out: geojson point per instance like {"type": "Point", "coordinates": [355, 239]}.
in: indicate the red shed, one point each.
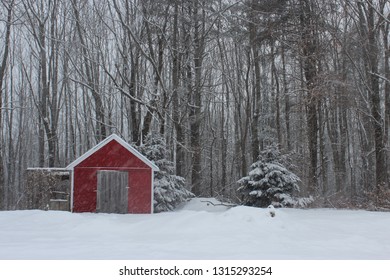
{"type": "Point", "coordinates": [112, 177]}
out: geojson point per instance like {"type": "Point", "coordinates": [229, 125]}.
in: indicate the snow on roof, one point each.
{"type": "Point", "coordinates": [48, 168]}
{"type": "Point", "coordinates": [60, 171]}
{"type": "Point", "coordinates": [105, 142]}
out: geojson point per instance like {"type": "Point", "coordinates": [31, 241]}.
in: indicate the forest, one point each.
{"type": "Point", "coordinates": [219, 80]}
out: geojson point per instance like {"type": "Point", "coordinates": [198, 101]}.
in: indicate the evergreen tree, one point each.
{"type": "Point", "coordinates": [269, 182]}
{"type": "Point", "coordinates": [169, 189]}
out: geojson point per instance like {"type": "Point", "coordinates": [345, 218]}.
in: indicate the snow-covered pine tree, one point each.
{"type": "Point", "coordinates": [169, 189]}
{"type": "Point", "coordinates": [269, 182]}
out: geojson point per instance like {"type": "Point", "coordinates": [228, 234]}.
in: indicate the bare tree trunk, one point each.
{"type": "Point", "coordinates": [256, 90]}
{"type": "Point", "coordinates": [386, 45]}
{"type": "Point", "coordinates": [276, 92]}
{"type": "Point", "coordinates": [176, 111]}
{"type": "Point", "coordinates": [225, 103]}
{"type": "Point", "coordinates": [286, 100]}
{"type": "Point", "coordinates": [370, 49]}
{"type": "Point", "coordinates": [3, 68]}
{"type": "Point", "coordinates": [196, 99]}
{"type": "Point", "coordinates": [310, 54]}
{"type": "Point", "coordinates": [338, 134]}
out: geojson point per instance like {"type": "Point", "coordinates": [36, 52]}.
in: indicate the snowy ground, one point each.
{"type": "Point", "coordinates": [197, 231]}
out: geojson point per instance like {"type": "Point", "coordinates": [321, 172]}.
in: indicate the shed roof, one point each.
{"type": "Point", "coordinates": [105, 142]}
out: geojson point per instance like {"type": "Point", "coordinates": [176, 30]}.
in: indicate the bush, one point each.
{"type": "Point", "coordinates": [378, 199]}
{"type": "Point", "coordinates": [169, 189]}
{"type": "Point", "coordinates": [270, 183]}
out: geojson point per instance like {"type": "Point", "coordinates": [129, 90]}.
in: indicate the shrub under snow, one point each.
{"type": "Point", "coordinates": [169, 189]}
{"type": "Point", "coordinates": [270, 183]}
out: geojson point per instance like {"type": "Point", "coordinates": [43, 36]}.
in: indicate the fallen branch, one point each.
{"type": "Point", "coordinates": [219, 204]}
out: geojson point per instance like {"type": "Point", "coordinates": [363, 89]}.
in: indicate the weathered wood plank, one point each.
{"type": "Point", "coordinates": [112, 191]}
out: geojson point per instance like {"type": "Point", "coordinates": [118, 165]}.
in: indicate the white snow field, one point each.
{"type": "Point", "coordinates": [197, 231]}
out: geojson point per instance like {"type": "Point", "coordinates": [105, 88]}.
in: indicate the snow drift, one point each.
{"type": "Point", "coordinates": [197, 230]}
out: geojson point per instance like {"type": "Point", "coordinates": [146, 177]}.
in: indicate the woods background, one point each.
{"type": "Point", "coordinates": [218, 79]}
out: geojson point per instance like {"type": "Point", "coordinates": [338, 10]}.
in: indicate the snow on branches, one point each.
{"type": "Point", "coordinates": [169, 189]}
{"type": "Point", "coordinates": [269, 182]}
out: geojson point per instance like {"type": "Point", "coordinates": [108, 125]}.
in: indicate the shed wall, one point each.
{"type": "Point", "coordinates": [112, 156]}
{"type": "Point", "coordinates": [139, 194]}
{"type": "Point", "coordinates": [140, 191]}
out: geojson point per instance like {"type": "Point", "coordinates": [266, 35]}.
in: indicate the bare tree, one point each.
{"type": "Point", "coordinates": [9, 8]}
{"type": "Point", "coordinates": [91, 70]}
{"type": "Point", "coordinates": [310, 62]}
{"type": "Point", "coordinates": [370, 34]}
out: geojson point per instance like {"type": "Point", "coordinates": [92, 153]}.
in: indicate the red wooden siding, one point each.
{"type": "Point", "coordinates": [140, 192]}
{"type": "Point", "coordinates": [84, 194]}
{"type": "Point", "coordinates": [112, 155]}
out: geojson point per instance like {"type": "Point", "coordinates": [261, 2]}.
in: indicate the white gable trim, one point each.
{"type": "Point", "coordinates": [115, 137]}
